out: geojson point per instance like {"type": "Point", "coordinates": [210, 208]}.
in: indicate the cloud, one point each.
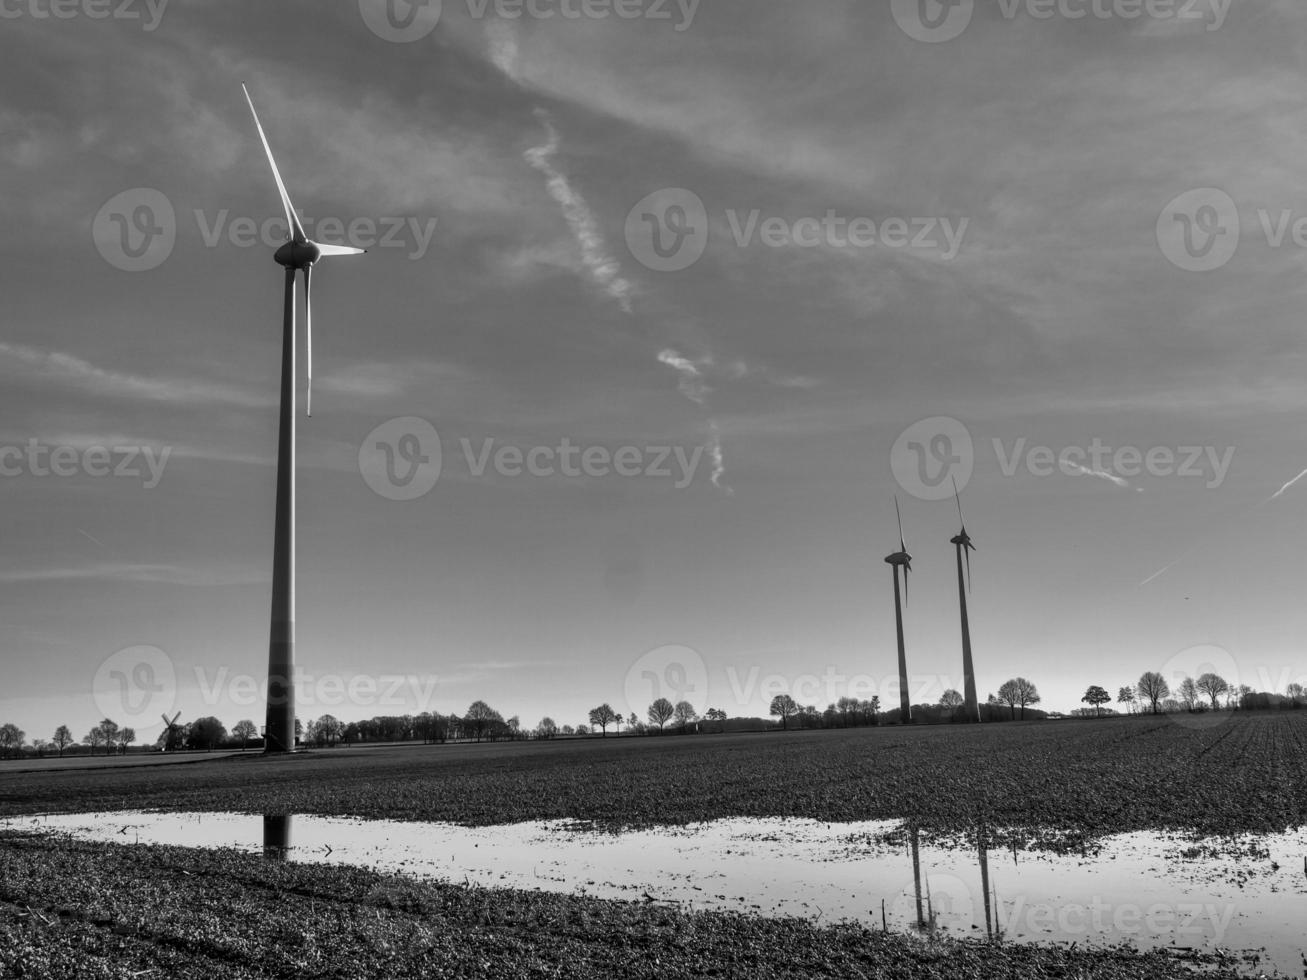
{"type": "Point", "coordinates": [605, 270]}
{"type": "Point", "coordinates": [694, 387]}
{"type": "Point", "coordinates": [503, 48]}
{"type": "Point", "coordinates": [1279, 493]}
{"type": "Point", "coordinates": [692, 382]}
{"type": "Point", "coordinates": [1101, 474]}
{"type": "Point", "coordinates": [718, 459]}
{"type": "Point", "coordinates": [74, 372]}
{"type": "Point", "coordinates": [140, 573]}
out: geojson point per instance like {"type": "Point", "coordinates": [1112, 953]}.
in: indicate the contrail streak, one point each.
{"type": "Point", "coordinates": [603, 268]}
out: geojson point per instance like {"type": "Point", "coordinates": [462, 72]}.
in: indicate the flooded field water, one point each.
{"type": "Point", "coordinates": [1246, 894]}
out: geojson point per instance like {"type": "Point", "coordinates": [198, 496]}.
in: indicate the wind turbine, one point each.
{"type": "Point", "coordinates": [299, 252]}
{"type": "Point", "coordinates": [962, 541]}
{"type": "Point", "coordinates": [901, 559]}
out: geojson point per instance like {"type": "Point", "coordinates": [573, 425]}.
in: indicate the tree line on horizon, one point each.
{"type": "Point", "coordinates": [1150, 694]}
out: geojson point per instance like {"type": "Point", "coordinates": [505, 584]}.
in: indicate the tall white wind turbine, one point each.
{"type": "Point", "coordinates": [298, 253]}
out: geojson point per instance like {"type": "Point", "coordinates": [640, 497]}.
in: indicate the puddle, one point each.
{"type": "Point", "coordinates": [1244, 894]}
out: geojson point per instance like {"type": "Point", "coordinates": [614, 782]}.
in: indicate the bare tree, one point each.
{"type": "Point", "coordinates": [62, 739]}
{"type": "Point", "coordinates": [1188, 693]}
{"type": "Point", "coordinates": [1296, 693]}
{"type": "Point", "coordinates": [480, 717]}
{"type": "Point", "coordinates": [126, 736]}
{"type": "Point", "coordinates": [684, 713]}
{"type": "Point", "coordinates": [11, 740]}
{"type": "Point", "coordinates": [108, 734]}
{"type": "Point", "coordinates": [784, 707]}
{"type": "Point", "coordinates": [603, 716]}
{"type": "Point", "coordinates": [1152, 687]}
{"type": "Point", "coordinates": [1018, 693]}
{"type": "Point", "coordinates": [1213, 685]}
{"type": "Point", "coordinates": [546, 728]}
{"type": "Point", "coordinates": [244, 730]}
{"type": "Point", "coordinates": [93, 738]}
{"type": "Point", "coordinates": [950, 700]}
{"type": "Point", "coordinates": [661, 712]}
{"type": "Point", "coordinates": [1126, 695]}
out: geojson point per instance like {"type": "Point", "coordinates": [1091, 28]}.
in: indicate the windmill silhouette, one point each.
{"type": "Point", "coordinates": [901, 559]}
{"type": "Point", "coordinates": [299, 253]}
{"type": "Point", "coordinates": [171, 732]}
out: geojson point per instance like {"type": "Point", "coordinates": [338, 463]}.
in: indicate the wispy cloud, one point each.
{"type": "Point", "coordinates": [605, 270]}
{"type": "Point", "coordinates": [74, 372]}
{"type": "Point", "coordinates": [694, 386]}
{"type": "Point", "coordinates": [133, 573]}
{"type": "Point", "coordinates": [1102, 475]}
{"type": "Point", "coordinates": [692, 381]}
{"type": "Point", "coordinates": [1280, 493]}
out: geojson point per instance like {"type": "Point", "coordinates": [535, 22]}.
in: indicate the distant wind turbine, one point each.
{"type": "Point", "coordinates": [962, 541]}
{"type": "Point", "coordinates": [901, 559]}
{"type": "Point", "coordinates": [296, 254]}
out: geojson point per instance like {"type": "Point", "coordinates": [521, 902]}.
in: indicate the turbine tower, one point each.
{"type": "Point", "coordinates": [298, 253]}
{"type": "Point", "coordinates": [901, 559]}
{"type": "Point", "coordinates": [962, 541]}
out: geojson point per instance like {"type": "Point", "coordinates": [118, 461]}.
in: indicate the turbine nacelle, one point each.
{"type": "Point", "coordinates": [298, 255]}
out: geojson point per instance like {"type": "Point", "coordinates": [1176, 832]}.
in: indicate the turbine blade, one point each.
{"type": "Point", "coordinates": [902, 546]}
{"type": "Point", "coordinates": [957, 496]}
{"type": "Point", "coordinates": [967, 551]}
{"type": "Point", "coordinates": [338, 249]}
{"type": "Point", "coordinates": [292, 219]}
{"type": "Point", "coordinates": [308, 333]}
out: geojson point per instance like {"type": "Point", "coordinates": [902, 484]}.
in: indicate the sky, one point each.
{"type": "Point", "coordinates": [665, 304]}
